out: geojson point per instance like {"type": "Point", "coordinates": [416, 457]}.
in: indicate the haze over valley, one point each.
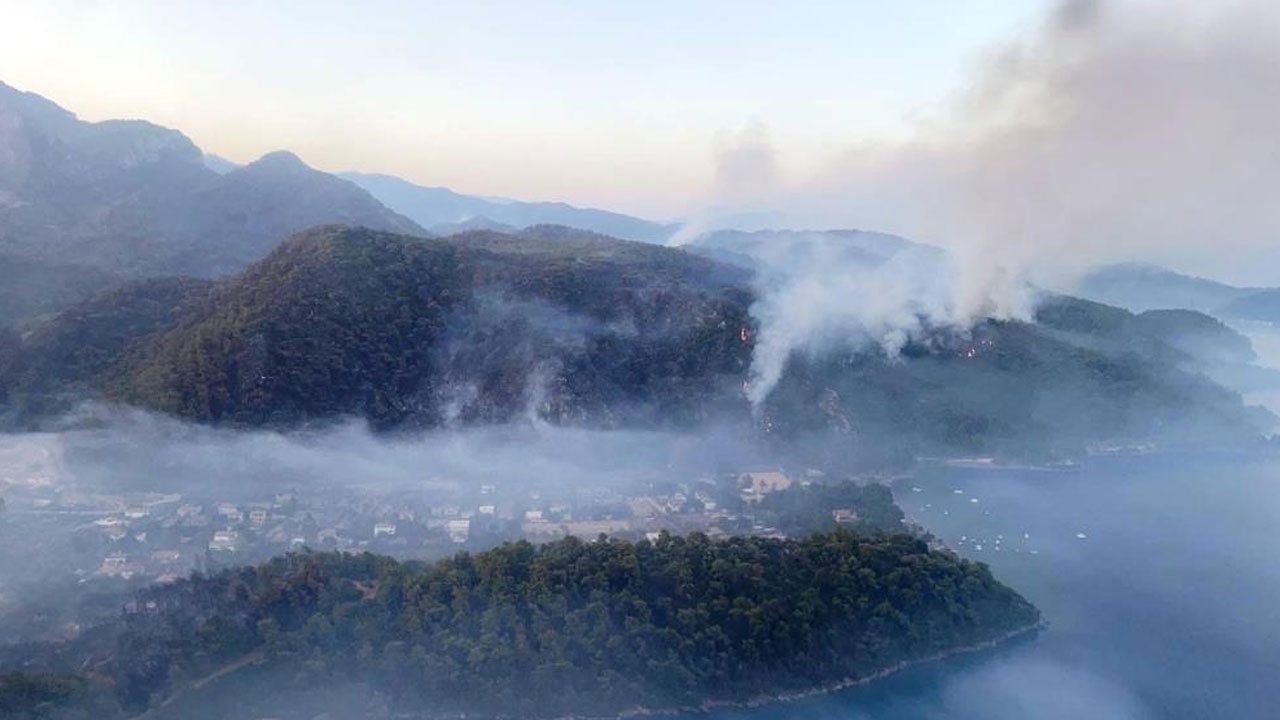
{"type": "Point", "coordinates": [967, 408]}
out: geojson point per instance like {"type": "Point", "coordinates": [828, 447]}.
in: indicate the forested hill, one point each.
{"type": "Point", "coordinates": [480, 328]}
{"type": "Point", "coordinates": [568, 628]}
{"type": "Point", "coordinates": [577, 328]}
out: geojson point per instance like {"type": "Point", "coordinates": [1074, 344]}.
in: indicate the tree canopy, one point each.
{"type": "Point", "coordinates": [570, 627]}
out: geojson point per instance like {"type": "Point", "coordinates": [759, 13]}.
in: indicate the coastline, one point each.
{"type": "Point", "coordinates": [708, 706]}
{"type": "Point", "coordinates": [827, 689]}
{"type": "Point", "coordinates": [762, 700]}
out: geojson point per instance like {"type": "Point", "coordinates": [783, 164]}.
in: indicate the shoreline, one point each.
{"type": "Point", "coordinates": [827, 689]}
{"type": "Point", "coordinates": [708, 706]}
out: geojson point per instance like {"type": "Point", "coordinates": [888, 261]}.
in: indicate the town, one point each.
{"type": "Point", "coordinates": [55, 529]}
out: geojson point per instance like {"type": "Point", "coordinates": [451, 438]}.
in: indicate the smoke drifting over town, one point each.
{"type": "Point", "coordinates": [119, 448]}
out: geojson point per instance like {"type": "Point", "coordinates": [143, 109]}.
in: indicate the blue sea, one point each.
{"type": "Point", "coordinates": [1159, 576]}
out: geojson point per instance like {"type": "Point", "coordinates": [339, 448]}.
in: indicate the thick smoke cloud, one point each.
{"type": "Point", "coordinates": [746, 165]}
{"type": "Point", "coordinates": [747, 179]}
{"type": "Point", "coordinates": [818, 296]}
{"type": "Point", "coordinates": [1115, 131]}
{"type": "Point", "coordinates": [1141, 130]}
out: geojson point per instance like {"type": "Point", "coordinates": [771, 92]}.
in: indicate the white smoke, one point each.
{"type": "Point", "coordinates": [815, 298]}
{"type": "Point", "coordinates": [1116, 131]}
{"type": "Point", "coordinates": [747, 179]}
{"type": "Point", "coordinates": [746, 165]}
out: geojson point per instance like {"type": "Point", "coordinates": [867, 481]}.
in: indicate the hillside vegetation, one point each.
{"type": "Point", "coordinates": [572, 327]}
{"type": "Point", "coordinates": [480, 328]}
{"type": "Point", "coordinates": [571, 627]}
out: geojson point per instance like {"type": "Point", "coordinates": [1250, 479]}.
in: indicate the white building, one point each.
{"type": "Point", "coordinates": [224, 540]}
{"type": "Point", "coordinates": [459, 530]}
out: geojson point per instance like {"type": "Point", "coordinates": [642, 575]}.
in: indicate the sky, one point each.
{"type": "Point", "coordinates": [1035, 138]}
{"type": "Point", "coordinates": [612, 104]}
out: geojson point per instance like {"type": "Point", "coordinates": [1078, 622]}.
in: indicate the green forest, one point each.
{"type": "Point", "coordinates": [579, 329]}
{"type": "Point", "coordinates": [571, 627]}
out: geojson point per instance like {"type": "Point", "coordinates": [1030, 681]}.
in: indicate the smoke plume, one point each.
{"type": "Point", "coordinates": [1117, 131]}
{"type": "Point", "coordinates": [1114, 131]}
{"type": "Point", "coordinates": [817, 297]}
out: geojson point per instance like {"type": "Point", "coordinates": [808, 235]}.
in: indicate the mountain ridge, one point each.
{"type": "Point", "coordinates": [134, 199]}
{"type": "Point", "coordinates": [568, 327]}
{"type": "Point", "coordinates": [441, 207]}
{"type": "Point", "coordinates": [1141, 286]}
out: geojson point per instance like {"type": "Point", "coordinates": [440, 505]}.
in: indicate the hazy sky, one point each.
{"type": "Point", "coordinates": [618, 104]}
{"type": "Point", "coordinates": [1034, 136]}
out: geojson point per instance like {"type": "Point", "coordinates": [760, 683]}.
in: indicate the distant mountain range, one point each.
{"type": "Point", "coordinates": [85, 206]}
{"type": "Point", "coordinates": [126, 198]}
{"type": "Point", "coordinates": [757, 249]}
{"type": "Point", "coordinates": [444, 212]}
{"type": "Point", "coordinates": [93, 204]}
{"type": "Point", "coordinates": [133, 198]}
{"type": "Point", "coordinates": [135, 268]}
{"type": "Point", "coordinates": [1140, 287]}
